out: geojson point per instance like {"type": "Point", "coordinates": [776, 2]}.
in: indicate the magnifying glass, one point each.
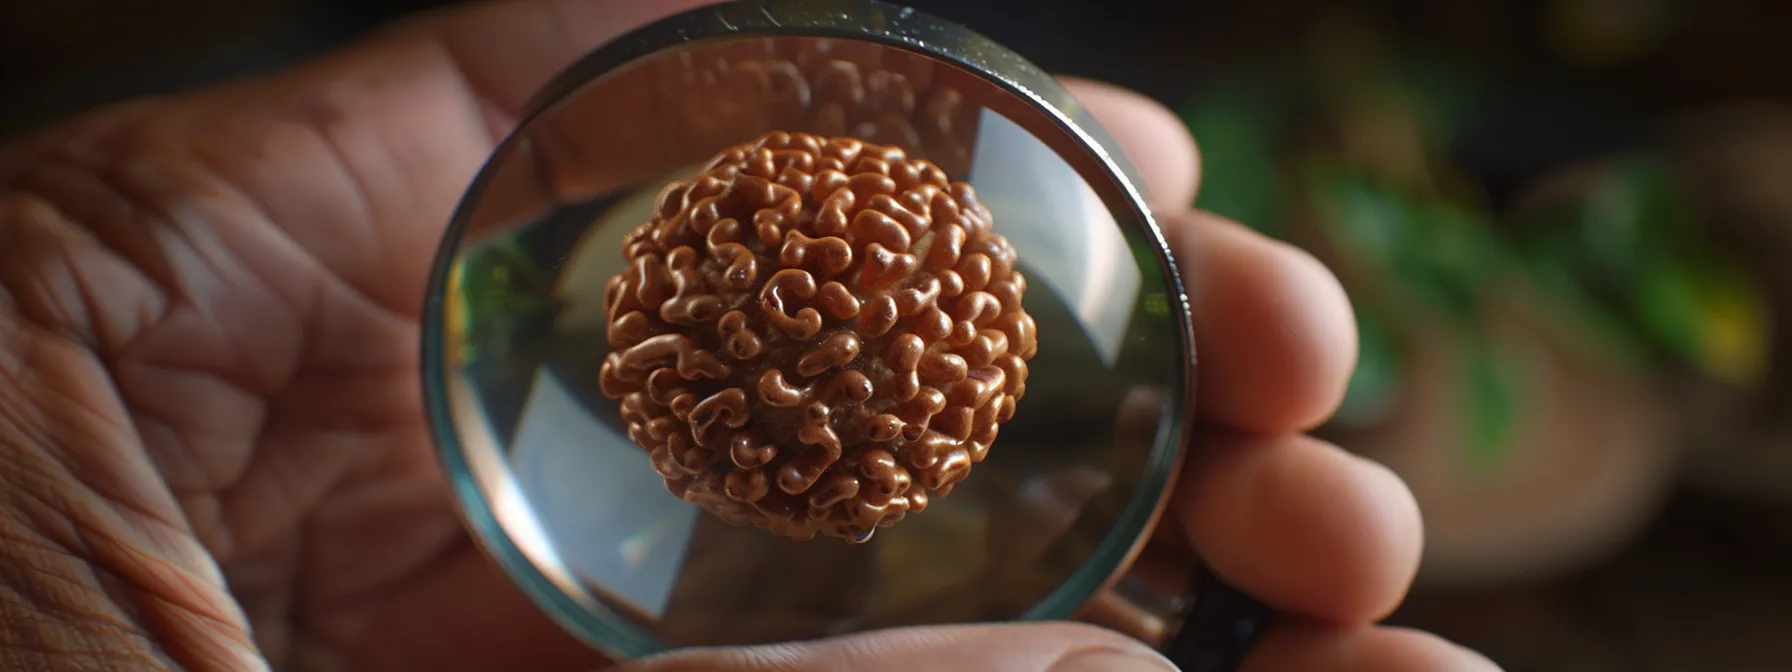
{"type": "Point", "coordinates": [677, 181]}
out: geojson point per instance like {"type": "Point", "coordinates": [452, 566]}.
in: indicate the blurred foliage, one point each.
{"type": "Point", "coordinates": [1350, 157]}
{"type": "Point", "coordinates": [1239, 123]}
{"type": "Point", "coordinates": [1630, 246]}
{"type": "Point", "coordinates": [496, 292]}
{"type": "Point", "coordinates": [1419, 256]}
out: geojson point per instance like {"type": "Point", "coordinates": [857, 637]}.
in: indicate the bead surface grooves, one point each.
{"type": "Point", "coordinates": [814, 335]}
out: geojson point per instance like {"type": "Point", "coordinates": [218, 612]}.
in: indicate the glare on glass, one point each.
{"type": "Point", "coordinates": [574, 510]}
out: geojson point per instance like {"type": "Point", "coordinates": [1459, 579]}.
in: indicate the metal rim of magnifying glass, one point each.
{"type": "Point", "coordinates": [1217, 626]}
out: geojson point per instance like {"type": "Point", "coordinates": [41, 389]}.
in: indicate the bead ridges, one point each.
{"type": "Point", "coordinates": [816, 335]}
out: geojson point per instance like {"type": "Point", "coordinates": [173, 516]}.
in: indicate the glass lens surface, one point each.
{"type": "Point", "coordinates": [575, 509]}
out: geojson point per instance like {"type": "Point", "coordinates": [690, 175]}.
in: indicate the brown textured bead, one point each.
{"type": "Point", "coordinates": [814, 335]}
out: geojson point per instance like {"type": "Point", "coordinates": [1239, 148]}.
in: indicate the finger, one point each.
{"type": "Point", "coordinates": [1274, 332]}
{"type": "Point", "coordinates": [1302, 525]}
{"type": "Point", "coordinates": [1274, 327]}
{"type": "Point", "coordinates": [1042, 647]}
{"type": "Point", "coordinates": [508, 50]}
{"type": "Point", "coordinates": [1153, 138]}
{"type": "Point", "coordinates": [1304, 647]}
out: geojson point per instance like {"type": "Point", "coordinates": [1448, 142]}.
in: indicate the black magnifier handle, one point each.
{"type": "Point", "coordinates": [1220, 628]}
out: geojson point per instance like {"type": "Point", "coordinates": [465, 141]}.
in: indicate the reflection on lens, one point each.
{"type": "Point", "coordinates": [1030, 532]}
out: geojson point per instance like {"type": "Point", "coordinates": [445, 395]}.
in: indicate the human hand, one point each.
{"type": "Point", "coordinates": [214, 446]}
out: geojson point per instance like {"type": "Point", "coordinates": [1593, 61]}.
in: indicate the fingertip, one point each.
{"type": "Point", "coordinates": [1154, 139]}
{"type": "Point", "coordinates": [1007, 646]}
{"type": "Point", "coordinates": [1400, 528]}
{"type": "Point", "coordinates": [1275, 334]}
{"type": "Point", "coordinates": [1303, 525]}
{"type": "Point", "coordinates": [1361, 649]}
{"type": "Point", "coordinates": [1327, 332]}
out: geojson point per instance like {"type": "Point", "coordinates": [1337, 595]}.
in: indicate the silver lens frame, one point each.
{"type": "Point", "coordinates": [1018, 90]}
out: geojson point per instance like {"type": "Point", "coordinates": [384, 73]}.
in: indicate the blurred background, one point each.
{"type": "Point", "coordinates": [1563, 223]}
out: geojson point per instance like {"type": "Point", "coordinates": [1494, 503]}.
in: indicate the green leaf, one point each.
{"type": "Point", "coordinates": [1492, 412]}
{"type": "Point", "coordinates": [1609, 226]}
{"type": "Point", "coordinates": [1374, 386]}
{"type": "Point", "coordinates": [1451, 96]}
{"type": "Point", "coordinates": [1610, 326]}
{"type": "Point", "coordinates": [1666, 302]}
{"type": "Point", "coordinates": [1371, 221]}
{"type": "Point", "coordinates": [1237, 125]}
{"type": "Point", "coordinates": [502, 291]}
{"type": "Point", "coordinates": [1733, 329]}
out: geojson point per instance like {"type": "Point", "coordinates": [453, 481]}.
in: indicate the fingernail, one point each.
{"type": "Point", "coordinates": [1113, 661]}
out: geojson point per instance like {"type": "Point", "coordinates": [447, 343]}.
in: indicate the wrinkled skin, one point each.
{"type": "Point", "coordinates": [210, 419]}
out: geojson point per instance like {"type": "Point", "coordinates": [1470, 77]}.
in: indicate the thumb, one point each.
{"type": "Point", "coordinates": [1032, 647]}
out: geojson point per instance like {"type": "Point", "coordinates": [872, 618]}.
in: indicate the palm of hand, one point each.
{"type": "Point", "coordinates": [221, 294]}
